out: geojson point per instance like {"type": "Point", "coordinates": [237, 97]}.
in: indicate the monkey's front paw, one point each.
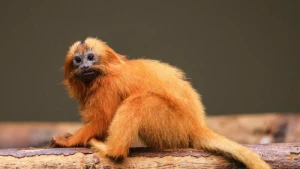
{"type": "Point", "coordinates": [59, 141]}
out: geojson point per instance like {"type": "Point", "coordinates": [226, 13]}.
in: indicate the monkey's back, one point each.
{"type": "Point", "coordinates": [157, 77]}
{"type": "Point", "coordinates": [160, 78]}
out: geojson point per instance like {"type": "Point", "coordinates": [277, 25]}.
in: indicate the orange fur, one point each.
{"type": "Point", "coordinates": [142, 98]}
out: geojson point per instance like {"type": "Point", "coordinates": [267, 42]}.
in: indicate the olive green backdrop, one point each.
{"type": "Point", "coordinates": [242, 56]}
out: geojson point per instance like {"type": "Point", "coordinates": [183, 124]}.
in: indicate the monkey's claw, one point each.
{"type": "Point", "coordinates": [59, 141]}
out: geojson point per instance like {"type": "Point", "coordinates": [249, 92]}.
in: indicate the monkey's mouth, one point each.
{"type": "Point", "coordinates": [88, 75]}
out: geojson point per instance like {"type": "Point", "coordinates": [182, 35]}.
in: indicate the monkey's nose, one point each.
{"type": "Point", "coordinates": [84, 67]}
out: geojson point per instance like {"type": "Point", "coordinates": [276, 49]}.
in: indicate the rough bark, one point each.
{"type": "Point", "coordinates": [279, 156]}
{"type": "Point", "coordinates": [246, 129]}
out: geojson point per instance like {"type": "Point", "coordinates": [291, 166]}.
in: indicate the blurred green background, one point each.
{"type": "Point", "coordinates": [242, 56]}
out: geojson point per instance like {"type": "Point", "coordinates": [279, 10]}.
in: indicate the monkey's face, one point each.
{"type": "Point", "coordinates": [89, 60]}
{"type": "Point", "coordinates": [84, 65]}
{"type": "Point", "coordinates": [84, 61]}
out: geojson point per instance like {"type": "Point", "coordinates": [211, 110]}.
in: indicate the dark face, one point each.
{"type": "Point", "coordinates": [84, 63]}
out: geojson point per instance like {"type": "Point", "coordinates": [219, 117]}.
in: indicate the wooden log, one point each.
{"type": "Point", "coordinates": [279, 156]}
{"type": "Point", "coordinates": [245, 129]}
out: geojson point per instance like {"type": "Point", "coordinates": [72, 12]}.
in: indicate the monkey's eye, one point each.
{"type": "Point", "coordinates": [90, 57]}
{"type": "Point", "coordinates": [77, 59]}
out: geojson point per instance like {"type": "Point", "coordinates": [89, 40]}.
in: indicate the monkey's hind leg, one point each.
{"type": "Point", "coordinates": [122, 131]}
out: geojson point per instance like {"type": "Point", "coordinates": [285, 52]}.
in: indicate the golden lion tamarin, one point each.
{"type": "Point", "coordinates": [121, 100]}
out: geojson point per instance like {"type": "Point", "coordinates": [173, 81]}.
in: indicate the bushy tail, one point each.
{"type": "Point", "coordinates": [211, 141]}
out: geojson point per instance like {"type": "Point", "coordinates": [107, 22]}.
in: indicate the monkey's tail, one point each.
{"type": "Point", "coordinates": [212, 141]}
